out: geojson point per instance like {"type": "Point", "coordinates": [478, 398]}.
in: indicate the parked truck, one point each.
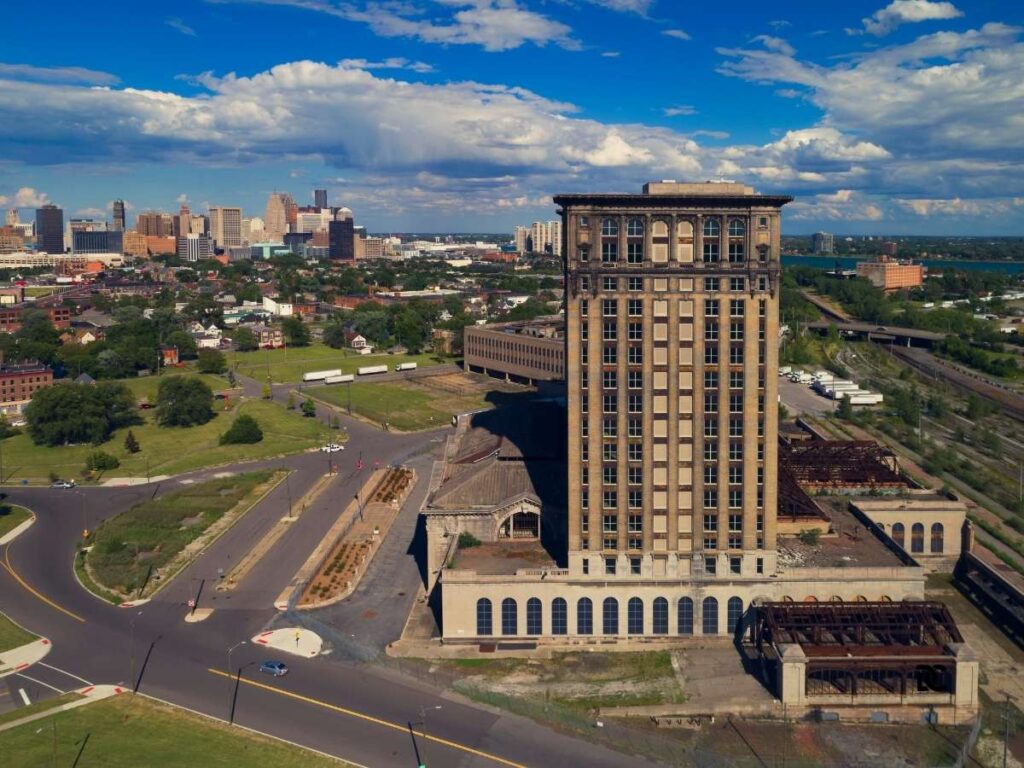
{"type": "Point", "coordinates": [320, 375]}
{"type": "Point", "coordinates": [368, 370]}
{"type": "Point", "coordinates": [405, 367]}
{"type": "Point", "coordinates": [339, 379]}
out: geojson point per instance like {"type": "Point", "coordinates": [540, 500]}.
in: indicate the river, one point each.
{"type": "Point", "coordinates": [937, 265]}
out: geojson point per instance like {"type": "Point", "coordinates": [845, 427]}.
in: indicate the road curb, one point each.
{"type": "Point", "coordinates": [24, 656]}
{"type": "Point", "coordinates": [19, 529]}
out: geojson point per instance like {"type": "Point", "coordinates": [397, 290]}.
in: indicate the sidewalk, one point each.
{"type": "Point", "coordinates": [293, 640]}
{"type": "Point", "coordinates": [88, 696]}
{"type": "Point", "coordinates": [24, 656]}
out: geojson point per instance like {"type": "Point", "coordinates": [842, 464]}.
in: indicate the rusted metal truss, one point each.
{"type": "Point", "coordinates": [841, 464]}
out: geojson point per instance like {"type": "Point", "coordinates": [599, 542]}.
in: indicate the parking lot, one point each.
{"type": "Point", "coordinates": [800, 398]}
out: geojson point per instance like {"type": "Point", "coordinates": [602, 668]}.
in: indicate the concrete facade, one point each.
{"type": "Point", "coordinates": [530, 351]}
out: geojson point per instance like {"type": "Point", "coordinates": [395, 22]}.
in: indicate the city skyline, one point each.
{"type": "Point", "coordinates": [894, 117]}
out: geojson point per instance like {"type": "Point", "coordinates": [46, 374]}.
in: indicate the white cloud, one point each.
{"type": "Point", "coordinates": [495, 25]}
{"type": "Point", "coordinates": [775, 44]}
{"type": "Point", "coordinates": [678, 34]}
{"type": "Point", "coordinates": [4, 199]}
{"type": "Point", "coordinates": [611, 54]}
{"type": "Point", "coordinates": [394, 62]}
{"type": "Point", "coordinates": [180, 26]}
{"type": "Point", "coordinates": [898, 12]}
{"type": "Point", "coordinates": [182, 199]}
{"type": "Point", "coordinates": [677, 111]}
{"type": "Point", "coordinates": [928, 207]}
{"type": "Point", "coordinates": [842, 205]}
{"type": "Point", "coordinates": [29, 197]}
{"type": "Point", "coordinates": [91, 213]}
{"type": "Point", "coordinates": [56, 74]}
{"type": "Point", "coordinates": [641, 7]}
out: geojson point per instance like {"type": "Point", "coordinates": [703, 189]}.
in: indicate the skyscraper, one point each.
{"type": "Point", "coordinates": [319, 198]}
{"type": "Point", "coordinates": [154, 224]}
{"type": "Point", "coordinates": [275, 222]}
{"type": "Point", "coordinates": [50, 229]}
{"type": "Point", "coordinates": [671, 359]}
{"type": "Point", "coordinates": [341, 240]}
{"type": "Point", "coordinates": [12, 217]}
{"type": "Point", "coordinates": [823, 243]}
{"type": "Point", "coordinates": [183, 221]}
{"type": "Point", "coordinates": [119, 215]}
{"type": "Point", "coordinates": [226, 226]}
{"type": "Point", "coordinates": [194, 247]}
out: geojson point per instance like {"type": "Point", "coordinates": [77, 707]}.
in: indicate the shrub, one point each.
{"type": "Point", "coordinates": [245, 429]}
{"type": "Point", "coordinates": [810, 537]}
{"type": "Point", "coordinates": [467, 540]}
{"type": "Point", "coordinates": [131, 444]}
{"type": "Point", "coordinates": [100, 460]}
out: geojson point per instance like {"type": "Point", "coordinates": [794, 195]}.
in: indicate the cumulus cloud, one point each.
{"type": "Point", "coordinates": [29, 197]}
{"type": "Point", "coordinates": [898, 12]}
{"type": "Point", "coordinates": [180, 26]}
{"type": "Point", "coordinates": [677, 111]}
{"type": "Point", "coordinates": [841, 205]}
{"type": "Point", "coordinates": [641, 7]}
{"type": "Point", "coordinates": [494, 25]}
{"type": "Point", "coordinates": [91, 213]}
{"type": "Point", "coordinates": [927, 207]}
{"type": "Point", "coordinates": [56, 74]}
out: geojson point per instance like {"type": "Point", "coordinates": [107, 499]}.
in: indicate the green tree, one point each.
{"type": "Point", "coordinates": [845, 410]}
{"type": "Point", "coordinates": [244, 339]}
{"type": "Point", "coordinates": [212, 361]}
{"type": "Point", "coordinates": [183, 401]}
{"type": "Point", "coordinates": [266, 392]}
{"type": "Point", "coordinates": [295, 331]}
{"type": "Point", "coordinates": [245, 429]}
{"type": "Point", "coordinates": [69, 413]}
{"type": "Point", "coordinates": [186, 344]}
{"type": "Point", "coordinates": [308, 408]}
{"type": "Point", "coordinates": [291, 401]}
{"type": "Point", "coordinates": [131, 444]}
{"type": "Point", "coordinates": [334, 336]}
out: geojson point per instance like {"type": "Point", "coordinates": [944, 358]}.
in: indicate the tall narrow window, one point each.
{"type": "Point", "coordinates": [533, 616]}
{"type": "Point", "coordinates": [710, 620]}
{"type": "Point", "coordinates": [734, 613]}
{"type": "Point", "coordinates": [685, 616]}
{"type": "Point", "coordinates": [659, 616]}
{"type": "Point", "coordinates": [483, 617]}
{"type": "Point", "coordinates": [635, 616]}
{"type": "Point", "coordinates": [559, 618]}
{"type": "Point", "coordinates": [610, 616]}
{"type": "Point", "coordinates": [509, 617]}
{"type": "Point", "coordinates": [584, 616]}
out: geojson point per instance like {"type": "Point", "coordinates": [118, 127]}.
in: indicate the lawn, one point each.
{"type": "Point", "coordinates": [36, 707]}
{"type": "Point", "coordinates": [13, 636]}
{"type": "Point", "coordinates": [287, 365]}
{"type": "Point", "coordinates": [128, 731]}
{"type": "Point", "coordinates": [145, 387]}
{"type": "Point", "coordinates": [407, 406]}
{"type": "Point", "coordinates": [162, 447]}
{"type": "Point", "coordinates": [150, 534]}
{"type": "Point", "coordinates": [11, 516]}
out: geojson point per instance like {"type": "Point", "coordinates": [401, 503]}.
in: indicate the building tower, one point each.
{"type": "Point", "coordinates": [226, 226]}
{"type": "Point", "coordinates": [823, 243]}
{"type": "Point", "coordinates": [320, 198]}
{"type": "Point", "coordinates": [275, 222]}
{"type": "Point", "coordinates": [671, 364]}
{"type": "Point", "coordinates": [119, 215]}
{"type": "Point", "coordinates": [50, 229]}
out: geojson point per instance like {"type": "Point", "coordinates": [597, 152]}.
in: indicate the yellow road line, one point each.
{"type": "Point", "coordinates": [10, 569]}
{"type": "Point", "coordinates": [371, 719]}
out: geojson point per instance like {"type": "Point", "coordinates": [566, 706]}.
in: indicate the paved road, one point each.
{"type": "Point", "coordinates": [328, 703]}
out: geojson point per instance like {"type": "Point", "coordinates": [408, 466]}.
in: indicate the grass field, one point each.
{"type": "Point", "coordinates": [162, 450]}
{"type": "Point", "coordinates": [12, 636]}
{"type": "Point", "coordinates": [11, 516]}
{"type": "Point", "coordinates": [406, 405]}
{"type": "Point", "coordinates": [287, 365]}
{"type": "Point", "coordinates": [146, 386]}
{"type": "Point", "coordinates": [128, 731]}
{"type": "Point", "coordinates": [35, 707]}
{"type": "Point", "coordinates": [152, 532]}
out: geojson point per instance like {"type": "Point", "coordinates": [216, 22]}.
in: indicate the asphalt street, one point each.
{"type": "Point", "coordinates": [331, 703]}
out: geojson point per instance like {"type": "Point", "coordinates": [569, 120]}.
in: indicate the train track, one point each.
{"type": "Point", "coordinates": [919, 359]}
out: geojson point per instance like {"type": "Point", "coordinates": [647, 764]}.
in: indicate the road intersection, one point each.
{"type": "Point", "coordinates": [332, 703]}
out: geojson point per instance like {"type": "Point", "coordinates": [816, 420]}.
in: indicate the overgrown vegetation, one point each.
{"type": "Point", "coordinates": [70, 413]}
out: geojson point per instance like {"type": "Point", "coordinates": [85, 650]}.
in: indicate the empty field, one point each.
{"type": "Point", "coordinates": [286, 366]}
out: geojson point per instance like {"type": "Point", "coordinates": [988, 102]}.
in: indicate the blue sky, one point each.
{"type": "Point", "coordinates": [880, 116]}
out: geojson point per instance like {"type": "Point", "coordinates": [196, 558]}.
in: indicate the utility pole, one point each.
{"type": "Point", "coordinates": [1006, 729]}
{"type": "Point", "coordinates": [231, 712]}
{"type": "Point", "coordinates": [131, 624]}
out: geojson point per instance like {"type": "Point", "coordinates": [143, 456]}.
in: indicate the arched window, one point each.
{"type": "Point", "coordinates": [733, 614]}
{"type": "Point", "coordinates": [509, 616]}
{"type": "Point", "coordinates": [899, 535]}
{"type": "Point", "coordinates": [559, 616]}
{"type": "Point", "coordinates": [483, 616]}
{"type": "Point", "coordinates": [609, 227]}
{"type": "Point", "coordinates": [917, 538]}
{"type": "Point", "coordinates": [635, 228]}
{"type": "Point", "coordinates": [712, 228]}
{"type": "Point", "coordinates": [710, 621]}
{"type": "Point", "coordinates": [610, 616]}
{"type": "Point", "coordinates": [684, 229]}
{"type": "Point", "coordinates": [635, 616]}
{"type": "Point", "coordinates": [584, 616]}
{"type": "Point", "coordinates": [533, 617]}
{"type": "Point", "coordinates": [660, 616]}
{"type": "Point", "coordinates": [937, 536]}
{"type": "Point", "coordinates": [737, 228]}
{"type": "Point", "coordinates": [684, 611]}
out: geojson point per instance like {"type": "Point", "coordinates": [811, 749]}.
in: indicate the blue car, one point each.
{"type": "Point", "coordinates": [275, 668]}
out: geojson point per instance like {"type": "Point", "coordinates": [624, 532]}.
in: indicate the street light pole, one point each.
{"type": "Point", "coordinates": [231, 711]}
{"type": "Point", "coordinates": [131, 624]}
{"type": "Point", "coordinates": [423, 729]}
